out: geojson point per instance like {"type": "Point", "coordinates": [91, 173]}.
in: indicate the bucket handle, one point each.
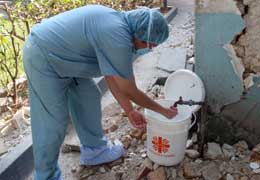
{"type": "Point", "coordinates": [194, 121]}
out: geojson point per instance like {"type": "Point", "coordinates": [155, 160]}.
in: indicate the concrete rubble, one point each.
{"type": "Point", "coordinates": [219, 161]}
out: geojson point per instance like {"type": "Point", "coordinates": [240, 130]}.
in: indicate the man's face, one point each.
{"type": "Point", "coordinates": [142, 44]}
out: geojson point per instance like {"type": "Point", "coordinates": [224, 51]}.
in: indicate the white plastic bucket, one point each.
{"type": "Point", "coordinates": [166, 138]}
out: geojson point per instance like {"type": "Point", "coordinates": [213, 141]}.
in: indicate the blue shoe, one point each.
{"type": "Point", "coordinates": [101, 155]}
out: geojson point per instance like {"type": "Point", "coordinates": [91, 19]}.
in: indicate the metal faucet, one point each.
{"type": "Point", "coordinates": [189, 103]}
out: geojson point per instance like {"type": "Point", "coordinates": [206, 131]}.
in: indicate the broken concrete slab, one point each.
{"type": "Point", "coordinates": [14, 162]}
{"type": "Point", "coordinates": [211, 172]}
{"type": "Point", "coordinates": [191, 153]}
{"type": "Point", "coordinates": [171, 14]}
{"type": "Point", "coordinates": [213, 151]}
{"type": "Point", "coordinates": [192, 170]}
{"type": "Point", "coordinates": [171, 60]}
{"type": "Point", "coordinates": [157, 174]}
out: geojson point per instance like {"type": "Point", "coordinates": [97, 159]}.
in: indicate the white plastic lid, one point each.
{"type": "Point", "coordinates": [187, 84]}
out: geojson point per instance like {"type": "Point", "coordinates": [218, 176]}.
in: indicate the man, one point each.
{"type": "Point", "coordinates": [61, 56]}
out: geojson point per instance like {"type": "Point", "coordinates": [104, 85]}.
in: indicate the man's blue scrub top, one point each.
{"type": "Point", "coordinates": [87, 42]}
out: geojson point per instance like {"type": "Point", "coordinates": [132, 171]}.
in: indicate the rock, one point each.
{"type": "Point", "coordinates": [156, 90]}
{"type": "Point", "coordinates": [116, 168]}
{"type": "Point", "coordinates": [155, 166]}
{"type": "Point", "coordinates": [255, 154]}
{"type": "Point", "coordinates": [134, 142]}
{"type": "Point", "coordinates": [157, 174]}
{"type": "Point", "coordinates": [191, 170]}
{"type": "Point", "coordinates": [144, 136]}
{"type": "Point", "coordinates": [3, 149]}
{"type": "Point", "coordinates": [3, 104]}
{"type": "Point", "coordinates": [21, 83]}
{"type": "Point", "coordinates": [115, 163]}
{"type": "Point", "coordinates": [177, 61]}
{"type": "Point", "coordinates": [136, 133]}
{"type": "Point", "coordinates": [223, 167]}
{"type": "Point", "coordinates": [106, 130]}
{"type": "Point", "coordinates": [194, 138]}
{"type": "Point", "coordinates": [126, 140]}
{"type": "Point", "coordinates": [191, 60]}
{"type": "Point", "coordinates": [119, 175]}
{"type": "Point", "coordinates": [228, 151]}
{"type": "Point", "coordinates": [102, 170]}
{"type": "Point", "coordinates": [66, 148]}
{"type": "Point", "coordinates": [241, 147]}
{"type": "Point", "coordinates": [189, 143]}
{"type": "Point", "coordinates": [113, 127]}
{"type": "Point", "coordinates": [3, 101]}
{"type": "Point", "coordinates": [254, 165]}
{"type": "Point", "coordinates": [257, 171]}
{"type": "Point", "coordinates": [142, 149]}
{"type": "Point", "coordinates": [26, 111]}
{"type": "Point", "coordinates": [213, 151]}
{"type": "Point", "coordinates": [255, 177]}
{"type": "Point", "coordinates": [198, 161]}
{"type": "Point", "coordinates": [229, 177]}
{"type": "Point", "coordinates": [147, 167]}
{"type": "Point", "coordinates": [257, 148]}
{"type": "Point", "coordinates": [246, 170]}
{"type": "Point", "coordinates": [243, 178]}
{"type": "Point", "coordinates": [3, 92]}
{"type": "Point", "coordinates": [86, 172]}
{"type": "Point", "coordinates": [106, 176]}
{"type": "Point", "coordinates": [143, 155]}
{"type": "Point", "coordinates": [192, 153]}
{"type": "Point", "coordinates": [19, 120]}
{"type": "Point", "coordinates": [148, 163]}
{"type": "Point", "coordinates": [211, 172]}
{"type": "Point", "coordinates": [74, 169]}
{"type": "Point", "coordinates": [6, 130]}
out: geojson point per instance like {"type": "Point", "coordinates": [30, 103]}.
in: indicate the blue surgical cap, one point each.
{"type": "Point", "coordinates": [148, 25]}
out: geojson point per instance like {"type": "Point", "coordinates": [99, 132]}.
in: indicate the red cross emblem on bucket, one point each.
{"type": "Point", "coordinates": [160, 144]}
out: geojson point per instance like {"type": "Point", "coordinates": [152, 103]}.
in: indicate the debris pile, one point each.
{"type": "Point", "coordinates": [219, 161]}
{"type": "Point", "coordinates": [14, 121]}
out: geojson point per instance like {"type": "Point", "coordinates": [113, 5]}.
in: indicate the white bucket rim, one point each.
{"type": "Point", "coordinates": [169, 121]}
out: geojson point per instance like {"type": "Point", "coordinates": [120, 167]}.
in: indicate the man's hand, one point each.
{"type": "Point", "coordinates": [137, 119]}
{"type": "Point", "coordinates": [169, 112]}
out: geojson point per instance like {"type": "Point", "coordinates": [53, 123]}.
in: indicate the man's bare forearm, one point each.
{"type": "Point", "coordinates": [140, 98]}
{"type": "Point", "coordinates": [121, 98]}
{"type": "Point", "coordinates": [126, 91]}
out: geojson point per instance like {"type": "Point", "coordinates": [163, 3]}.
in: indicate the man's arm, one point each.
{"type": "Point", "coordinates": [125, 91]}
{"type": "Point", "coordinates": [136, 118]}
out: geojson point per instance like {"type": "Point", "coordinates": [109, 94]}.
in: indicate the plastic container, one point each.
{"type": "Point", "coordinates": [166, 138]}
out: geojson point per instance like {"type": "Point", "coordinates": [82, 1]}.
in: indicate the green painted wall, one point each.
{"type": "Point", "coordinates": [234, 111]}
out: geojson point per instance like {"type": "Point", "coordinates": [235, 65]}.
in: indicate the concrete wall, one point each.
{"type": "Point", "coordinates": [228, 61]}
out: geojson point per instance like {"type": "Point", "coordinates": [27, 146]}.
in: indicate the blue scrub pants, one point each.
{"type": "Point", "coordinates": [53, 101]}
